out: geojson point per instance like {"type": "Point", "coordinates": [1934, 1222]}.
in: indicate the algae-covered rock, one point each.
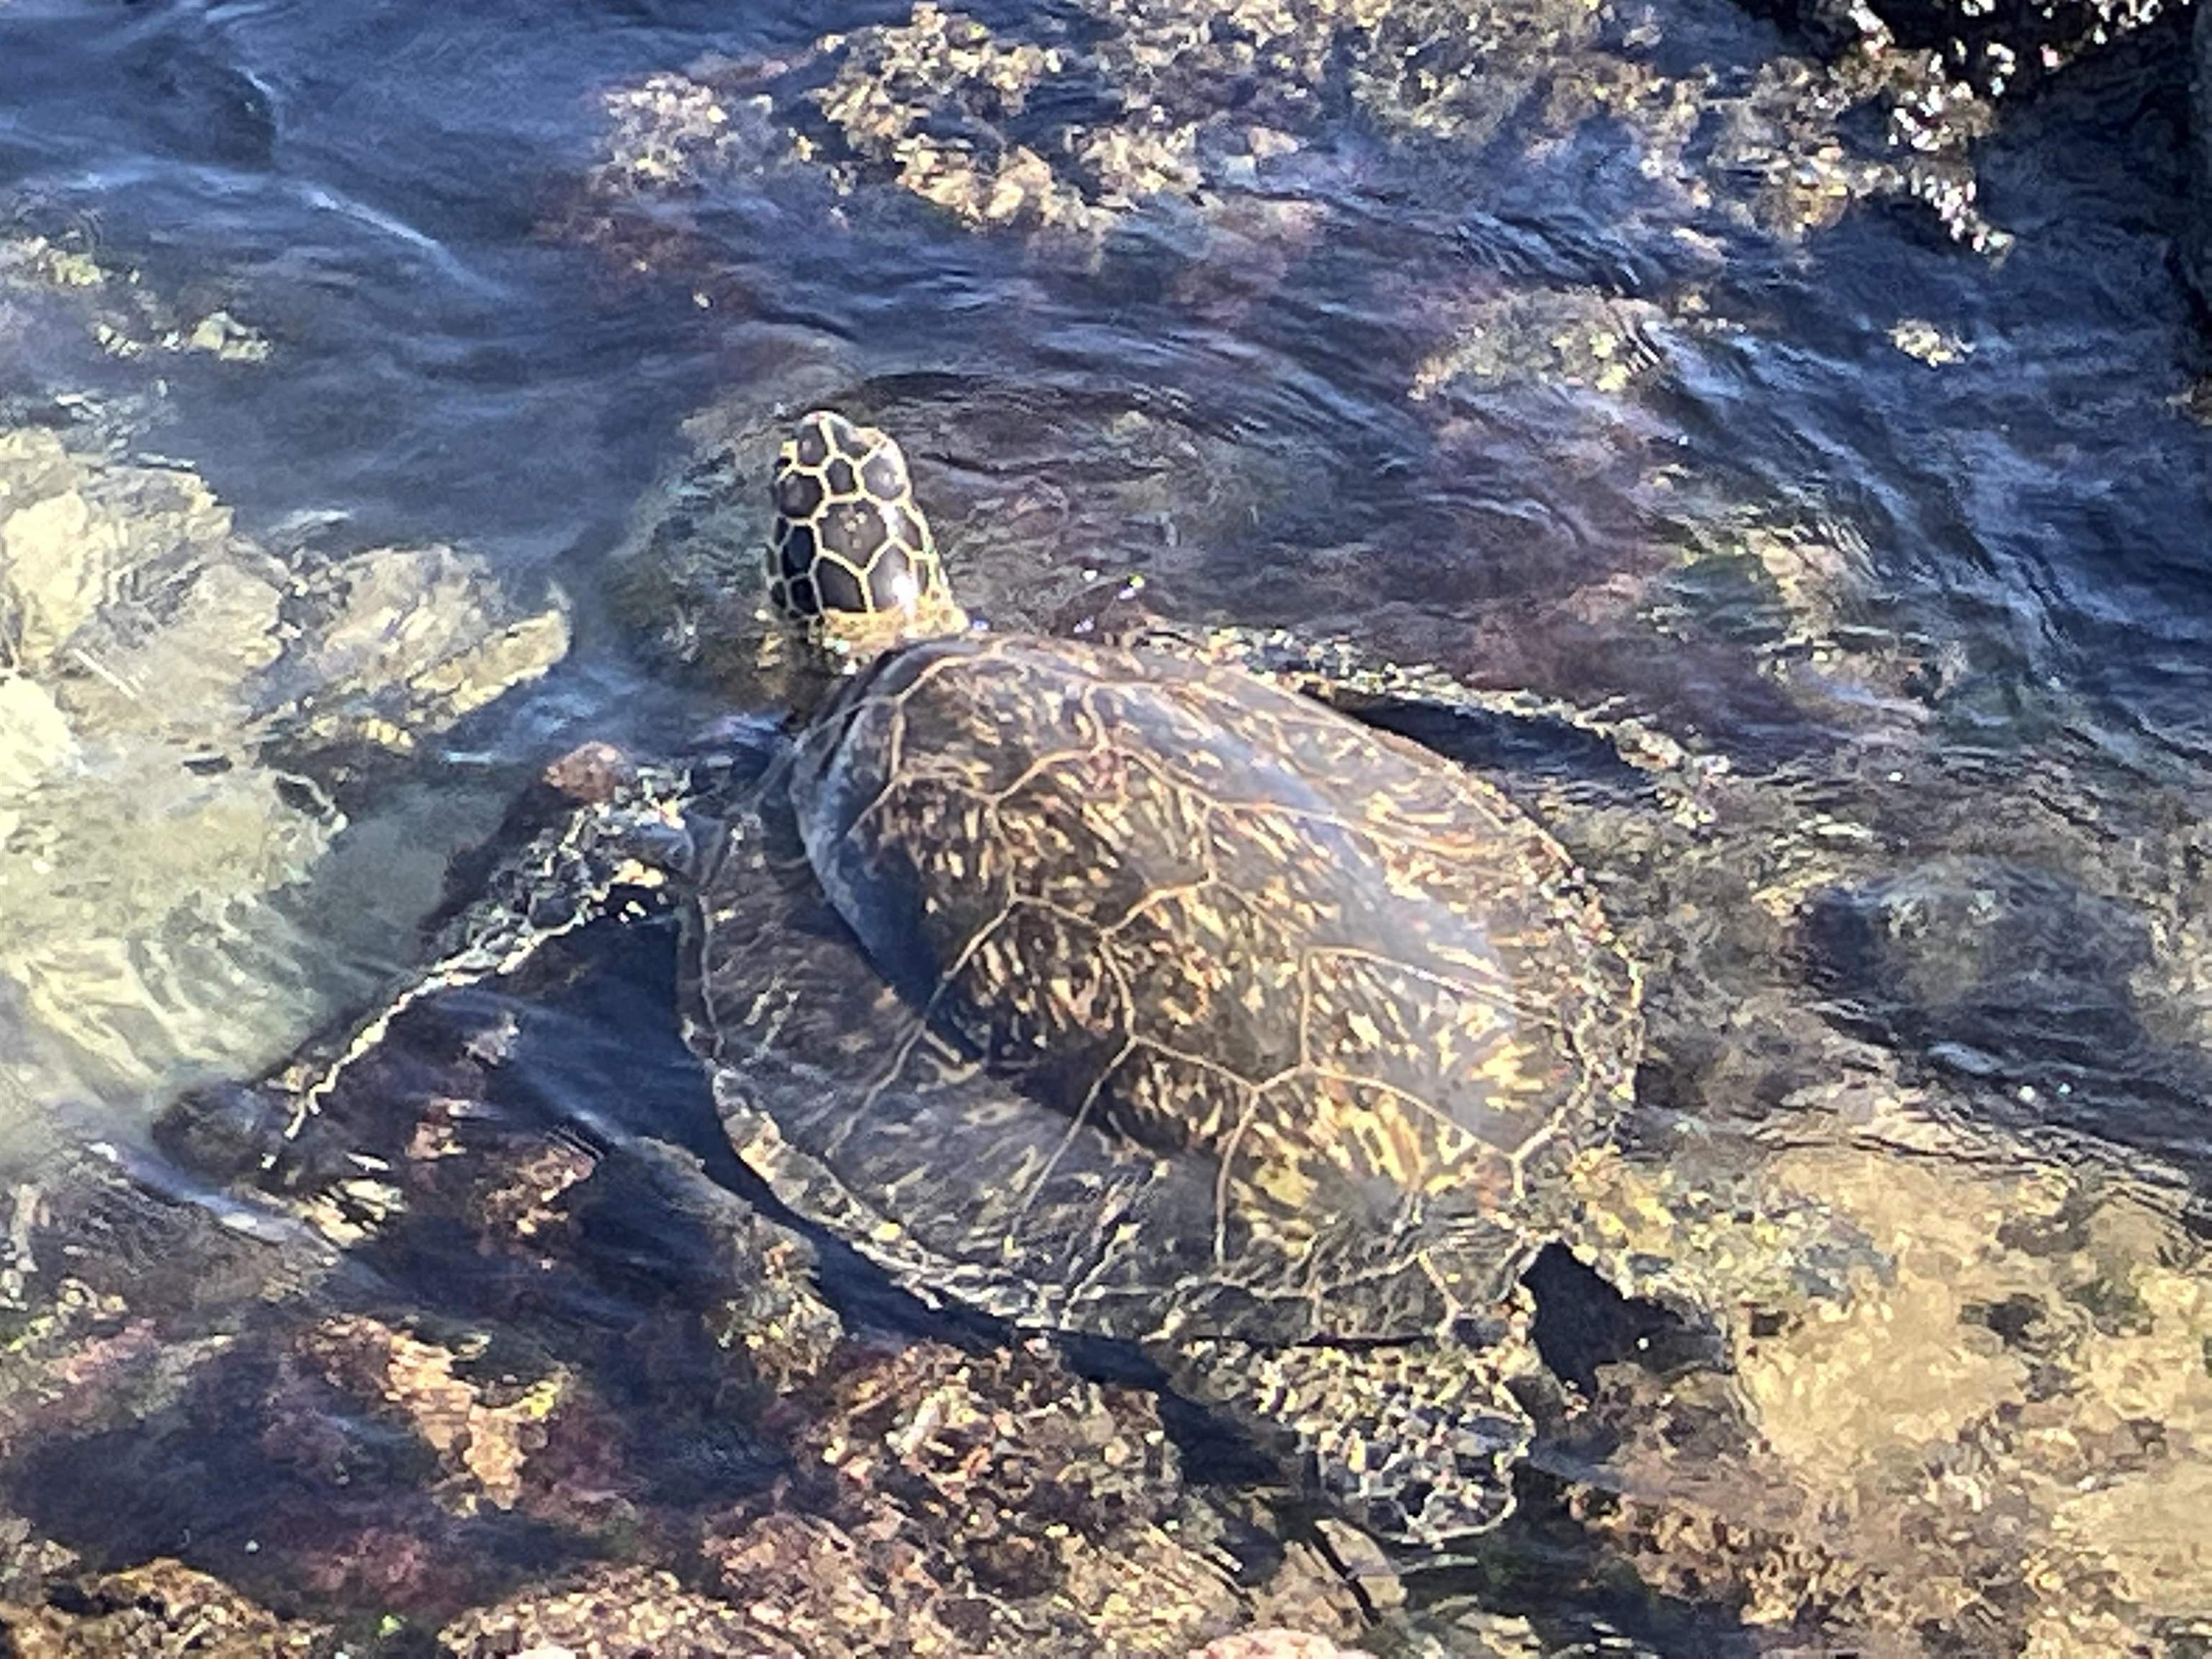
{"type": "Point", "coordinates": [126, 316]}
{"type": "Point", "coordinates": [1953, 1367]}
{"type": "Point", "coordinates": [993, 1503]}
{"type": "Point", "coordinates": [1550, 337]}
{"type": "Point", "coordinates": [2173, 988]}
{"type": "Point", "coordinates": [1959, 1382]}
{"type": "Point", "coordinates": [1995, 46]}
{"type": "Point", "coordinates": [161, 1610]}
{"type": "Point", "coordinates": [1274, 1643]}
{"type": "Point", "coordinates": [461, 1374]}
{"type": "Point", "coordinates": [1067, 126]}
{"type": "Point", "coordinates": [610, 1613]}
{"type": "Point", "coordinates": [928, 101]}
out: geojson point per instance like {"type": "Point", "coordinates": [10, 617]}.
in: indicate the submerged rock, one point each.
{"type": "Point", "coordinates": [927, 102]}
{"type": "Point", "coordinates": [991, 1503]}
{"type": "Point", "coordinates": [124, 314]}
{"type": "Point", "coordinates": [610, 1612]}
{"type": "Point", "coordinates": [1551, 337]}
{"type": "Point", "coordinates": [1226, 117]}
{"type": "Point", "coordinates": [138, 834]}
{"type": "Point", "coordinates": [1273, 1644]}
{"type": "Point", "coordinates": [1958, 1395]}
{"type": "Point", "coordinates": [462, 1372]}
{"type": "Point", "coordinates": [97, 558]}
{"type": "Point", "coordinates": [1995, 46]}
{"type": "Point", "coordinates": [1965, 1393]}
{"type": "Point", "coordinates": [162, 679]}
{"type": "Point", "coordinates": [387, 647]}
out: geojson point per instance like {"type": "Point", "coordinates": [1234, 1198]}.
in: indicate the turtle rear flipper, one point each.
{"type": "Point", "coordinates": [1418, 1439]}
{"type": "Point", "coordinates": [1608, 747]}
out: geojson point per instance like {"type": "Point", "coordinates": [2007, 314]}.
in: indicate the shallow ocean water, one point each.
{"type": "Point", "coordinates": [1906, 543]}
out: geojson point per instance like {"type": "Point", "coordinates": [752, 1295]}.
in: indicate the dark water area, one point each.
{"type": "Point", "coordinates": [375, 181]}
{"type": "Point", "coordinates": [1900, 552]}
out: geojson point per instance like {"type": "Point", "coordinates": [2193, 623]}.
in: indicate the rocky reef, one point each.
{"type": "Point", "coordinates": [1834, 1354]}
{"type": "Point", "coordinates": [1221, 115]}
{"type": "Point", "coordinates": [634, 1421]}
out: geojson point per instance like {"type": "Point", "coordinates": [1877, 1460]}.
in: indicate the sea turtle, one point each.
{"type": "Point", "coordinates": [1115, 990]}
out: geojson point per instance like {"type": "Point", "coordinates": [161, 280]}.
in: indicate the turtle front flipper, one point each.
{"type": "Point", "coordinates": [1417, 1440]}
{"type": "Point", "coordinates": [596, 834]}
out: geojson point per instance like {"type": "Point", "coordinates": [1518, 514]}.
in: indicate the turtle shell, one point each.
{"type": "Point", "coordinates": [1117, 992]}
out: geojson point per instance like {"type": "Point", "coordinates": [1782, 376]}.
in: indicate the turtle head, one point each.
{"type": "Point", "coordinates": [851, 565]}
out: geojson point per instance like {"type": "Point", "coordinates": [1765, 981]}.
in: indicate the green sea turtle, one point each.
{"type": "Point", "coordinates": [1116, 990]}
